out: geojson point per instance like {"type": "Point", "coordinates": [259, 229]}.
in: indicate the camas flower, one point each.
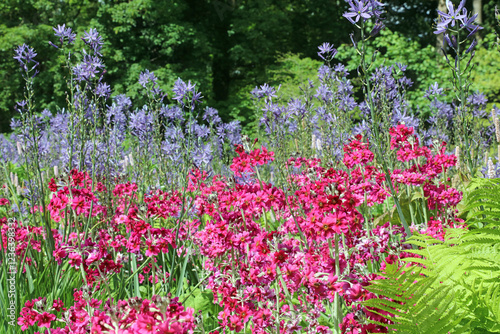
{"type": "Point", "coordinates": [459, 14]}
{"type": "Point", "coordinates": [25, 55]}
{"type": "Point", "coordinates": [453, 15]}
{"type": "Point", "coordinates": [103, 90]}
{"type": "Point", "coordinates": [64, 33]}
{"type": "Point", "coordinates": [264, 91]}
{"type": "Point", "coordinates": [94, 40]}
{"type": "Point", "coordinates": [88, 68]}
{"type": "Point", "coordinates": [327, 51]}
{"type": "Point", "coordinates": [358, 9]}
{"type": "Point", "coordinates": [433, 90]}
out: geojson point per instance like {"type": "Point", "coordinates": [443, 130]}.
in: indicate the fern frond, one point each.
{"type": "Point", "coordinates": [427, 308]}
{"type": "Point", "coordinates": [481, 202]}
{"type": "Point", "coordinates": [493, 295]}
{"type": "Point", "coordinates": [453, 286]}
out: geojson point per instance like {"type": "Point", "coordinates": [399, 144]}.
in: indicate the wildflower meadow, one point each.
{"type": "Point", "coordinates": [343, 212]}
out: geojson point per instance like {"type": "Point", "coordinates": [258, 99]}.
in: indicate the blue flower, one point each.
{"type": "Point", "coordinates": [103, 90]}
{"type": "Point", "coordinates": [25, 55]}
{"type": "Point", "coordinates": [327, 51]}
{"type": "Point", "coordinates": [88, 68]}
{"type": "Point", "coordinates": [211, 115]}
{"type": "Point", "coordinates": [358, 9]}
{"type": "Point", "coordinates": [64, 33]}
{"type": "Point", "coordinates": [453, 15]}
{"type": "Point", "coordinates": [94, 40]}
{"type": "Point", "coordinates": [264, 91]}
{"type": "Point", "coordinates": [202, 156]}
{"type": "Point", "coordinates": [433, 90]}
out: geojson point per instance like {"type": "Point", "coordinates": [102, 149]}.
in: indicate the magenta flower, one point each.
{"type": "Point", "coordinates": [145, 324]}
{"type": "Point", "coordinates": [45, 319]}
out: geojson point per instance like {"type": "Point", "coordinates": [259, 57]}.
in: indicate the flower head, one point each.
{"type": "Point", "coordinates": [358, 9]}
{"type": "Point", "coordinates": [94, 40]}
{"type": "Point", "coordinates": [64, 33]}
{"type": "Point", "coordinates": [453, 15]}
{"type": "Point", "coordinates": [25, 55]}
{"type": "Point", "coordinates": [327, 51]}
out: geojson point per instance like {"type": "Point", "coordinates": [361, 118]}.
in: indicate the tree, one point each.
{"type": "Point", "coordinates": [477, 6]}
{"type": "Point", "coordinates": [32, 23]}
{"type": "Point", "coordinates": [439, 37]}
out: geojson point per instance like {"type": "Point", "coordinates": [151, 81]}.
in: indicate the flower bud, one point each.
{"type": "Point", "coordinates": [497, 125]}
{"type": "Point", "coordinates": [40, 304]}
{"type": "Point", "coordinates": [498, 147]}
{"type": "Point", "coordinates": [19, 148]}
{"type": "Point", "coordinates": [491, 169]}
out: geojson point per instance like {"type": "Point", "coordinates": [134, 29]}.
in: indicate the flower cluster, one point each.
{"type": "Point", "coordinates": [133, 316]}
{"type": "Point", "coordinates": [362, 9]}
{"type": "Point", "coordinates": [160, 210]}
{"type": "Point", "coordinates": [245, 162]}
{"type": "Point", "coordinates": [458, 17]}
{"type": "Point", "coordinates": [270, 253]}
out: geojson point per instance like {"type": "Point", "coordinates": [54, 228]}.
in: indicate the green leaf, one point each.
{"type": "Point", "coordinates": [200, 300]}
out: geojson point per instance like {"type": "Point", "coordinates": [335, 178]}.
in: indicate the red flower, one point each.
{"type": "Point", "coordinates": [45, 319]}
{"type": "Point", "coordinates": [145, 324]}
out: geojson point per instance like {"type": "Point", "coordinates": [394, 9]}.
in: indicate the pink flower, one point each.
{"type": "Point", "coordinates": [335, 223]}
{"type": "Point", "coordinates": [75, 260]}
{"type": "Point", "coordinates": [27, 319]}
{"type": "Point", "coordinates": [45, 319]}
{"type": "Point", "coordinates": [57, 305]}
{"type": "Point", "coordinates": [145, 324]}
{"type": "Point", "coordinates": [80, 205]}
{"type": "Point", "coordinates": [59, 254]}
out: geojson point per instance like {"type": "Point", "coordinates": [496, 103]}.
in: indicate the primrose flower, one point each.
{"type": "Point", "coordinates": [45, 319]}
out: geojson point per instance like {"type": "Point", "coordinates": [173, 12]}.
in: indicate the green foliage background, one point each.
{"type": "Point", "coordinates": [227, 47]}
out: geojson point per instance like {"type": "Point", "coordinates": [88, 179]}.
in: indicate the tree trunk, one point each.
{"type": "Point", "coordinates": [439, 38]}
{"type": "Point", "coordinates": [477, 8]}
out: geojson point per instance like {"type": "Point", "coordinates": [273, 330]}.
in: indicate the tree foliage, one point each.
{"type": "Point", "coordinates": [227, 47]}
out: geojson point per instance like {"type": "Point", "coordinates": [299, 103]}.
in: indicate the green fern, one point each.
{"type": "Point", "coordinates": [452, 286]}
{"type": "Point", "coordinates": [481, 196]}
{"type": "Point", "coordinates": [432, 311]}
